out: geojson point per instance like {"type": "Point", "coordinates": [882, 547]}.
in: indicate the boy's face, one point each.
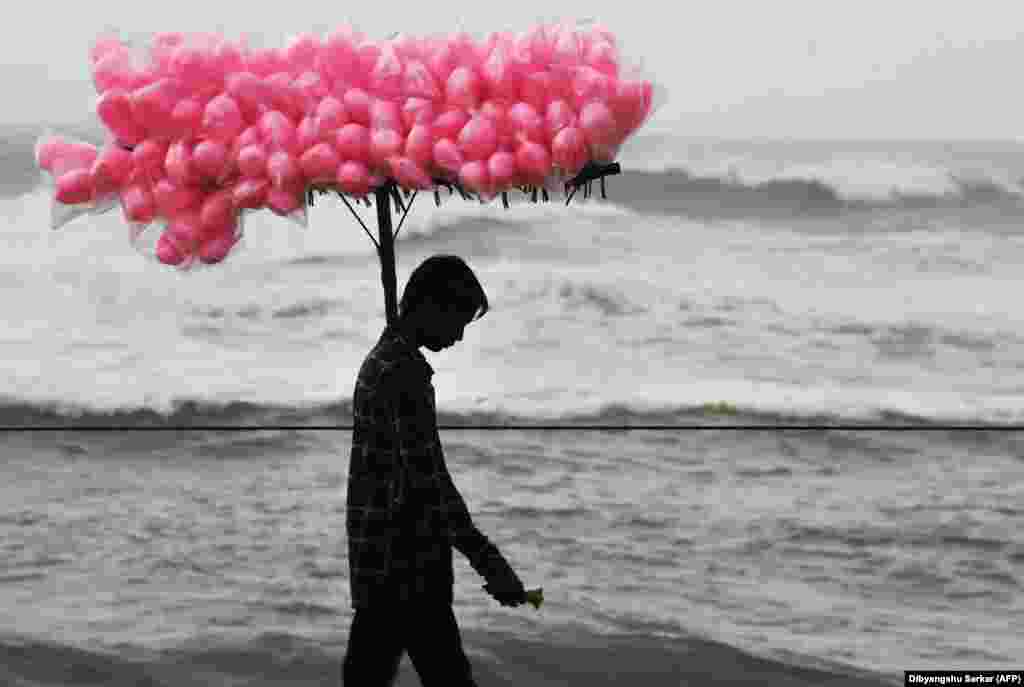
{"type": "Point", "coordinates": [443, 326]}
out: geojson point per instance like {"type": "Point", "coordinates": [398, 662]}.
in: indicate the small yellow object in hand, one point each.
{"type": "Point", "coordinates": [535, 597]}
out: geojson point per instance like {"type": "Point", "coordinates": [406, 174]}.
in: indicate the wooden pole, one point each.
{"type": "Point", "coordinates": [387, 252]}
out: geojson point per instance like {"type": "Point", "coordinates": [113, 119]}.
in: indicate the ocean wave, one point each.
{"type": "Point", "coordinates": [199, 414]}
{"type": "Point", "coordinates": [677, 190]}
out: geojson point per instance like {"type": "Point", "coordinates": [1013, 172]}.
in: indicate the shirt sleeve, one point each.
{"type": "Point", "coordinates": [418, 447]}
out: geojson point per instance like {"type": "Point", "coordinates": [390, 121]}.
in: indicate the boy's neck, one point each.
{"type": "Point", "coordinates": [409, 331]}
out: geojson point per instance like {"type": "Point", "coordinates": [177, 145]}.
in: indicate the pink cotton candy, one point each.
{"type": "Point", "coordinates": [533, 161]}
{"type": "Point", "coordinates": [603, 57]}
{"type": "Point", "coordinates": [479, 138]}
{"type": "Point", "coordinates": [149, 157]}
{"type": "Point", "coordinates": [302, 52]}
{"type": "Point", "coordinates": [167, 251]}
{"type": "Point", "coordinates": [187, 117]}
{"type": "Point", "coordinates": [162, 49]}
{"type": "Point", "coordinates": [113, 70]}
{"type": "Point", "coordinates": [171, 199]}
{"type": "Point", "coordinates": [185, 228]}
{"type": "Point", "coordinates": [284, 200]}
{"type": "Point", "coordinates": [282, 96]}
{"type": "Point", "coordinates": [283, 169]}
{"type": "Point", "coordinates": [419, 145]}
{"type": "Point", "coordinates": [310, 89]}
{"type": "Point", "coordinates": [252, 161]}
{"type": "Point", "coordinates": [48, 150]}
{"type": "Point", "coordinates": [526, 123]}
{"type": "Point", "coordinates": [354, 178]}
{"type": "Point", "coordinates": [589, 85]}
{"type": "Point", "coordinates": [249, 92]}
{"type": "Point", "coordinates": [278, 131]}
{"type": "Point", "coordinates": [497, 111]}
{"type": "Point", "coordinates": [449, 124]}
{"type": "Point", "coordinates": [339, 58]}
{"type": "Point", "coordinates": [419, 82]}
{"type": "Point", "coordinates": [112, 168]}
{"type": "Point", "coordinates": [75, 187]}
{"type": "Point", "coordinates": [71, 156]}
{"type": "Point", "coordinates": [463, 88]}
{"type": "Point", "coordinates": [227, 58]}
{"type": "Point", "coordinates": [179, 164]}
{"type": "Point", "coordinates": [138, 204]}
{"type": "Point", "coordinates": [631, 103]}
{"type": "Point", "coordinates": [353, 142]}
{"type": "Point", "coordinates": [542, 44]}
{"type": "Point", "coordinates": [386, 77]}
{"type": "Point", "coordinates": [501, 168]}
{"type": "Point", "coordinates": [408, 174]}
{"type": "Point", "coordinates": [499, 74]}
{"type": "Point", "coordinates": [407, 47]}
{"type": "Point", "coordinates": [559, 116]}
{"type": "Point", "coordinates": [448, 156]}
{"type": "Point", "coordinates": [103, 187]}
{"type": "Point", "coordinates": [330, 116]}
{"type": "Point", "coordinates": [222, 119]}
{"type": "Point", "coordinates": [105, 46]}
{"type": "Point", "coordinates": [383, 144]}
{"type": "Point", "coordinates": [417, 111]}
{"type": "Point", "coordinates": [306, 134]}
{"type": "Point", "coordinates": [189, 64]}
{"type": "Point", "coordinates": [320, 163]}
{"type": "Point", "coordinates": [250, 193]}
{"type": "Point", "coordinates": [568, 47]}
{"type": "Point", "coordinates": [368, 53]}
{"type": "Point", "coordinates": [264, 62]}
{"type": "Point", "coordinates": [214, 249]}
{"type": "Point", "coordinates": [466, 50]}
{"type": "Point", "coordinates": [385, 114]}
{"type": "Point", "coordinates": [217, 211]}
{"type": "Point", "coordinates": [474, 176]}
{"type": "Point", "coordinates": [598, 123]}
{"type": "Point", "coordinates": [114, 108]}
{"type": "Point", "coordinates": [357, 103]}
{"type": "Point", "coordinates": [569, 150]}
{"type": "Point", "coordinates": [537, 88]}
{"type": "Point", "coordinates": [153, 105]}
{"type": "Point", "coordinates": [210, 159]}
{"type": "Point", "coordinates": [250, 136]}
{"type": "Point", "coordinates": [441, 62]}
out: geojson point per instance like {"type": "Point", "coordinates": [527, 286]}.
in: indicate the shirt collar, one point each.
{"type": "Point", "coordinates": [391, 333]}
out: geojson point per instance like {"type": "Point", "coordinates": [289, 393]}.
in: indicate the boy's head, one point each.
{"type": "Point", "coordinates": [441, 297]}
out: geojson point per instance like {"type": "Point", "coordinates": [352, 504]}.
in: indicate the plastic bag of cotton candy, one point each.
{"type": "Point", "coordinates": [202, 128]}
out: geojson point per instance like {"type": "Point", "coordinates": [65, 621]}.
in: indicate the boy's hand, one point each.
{"type": "Point", "coordinates": [507, 597]}
{"type": "Point", "coordinates": [517, 597]}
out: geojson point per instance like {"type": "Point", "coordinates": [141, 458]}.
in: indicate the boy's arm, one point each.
{"type": "Point", "coordinates": [416, 428]}
{"type": "Point", "coordinates": [482, 554]}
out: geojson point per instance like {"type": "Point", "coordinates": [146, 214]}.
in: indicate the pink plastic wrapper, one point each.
{"type": "Point", "coordinates": [192, 117]}
{"type": "Point", "coordinates": [84, 178]}
{"type": "Point", "coordinates": [183, 244]}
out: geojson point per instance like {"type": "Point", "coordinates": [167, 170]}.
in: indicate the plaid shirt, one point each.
{"type": "Point", "coordinates": [404, 513]}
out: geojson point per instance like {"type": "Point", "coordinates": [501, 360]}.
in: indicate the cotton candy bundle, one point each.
{"type": "Point", "coordinates": [202, 127]}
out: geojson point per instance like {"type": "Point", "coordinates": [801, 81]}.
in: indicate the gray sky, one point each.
{"type": "Point", "coordinates": [788, 68]}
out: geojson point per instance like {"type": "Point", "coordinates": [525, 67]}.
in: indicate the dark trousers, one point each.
{"type": "Point", "coordinates": [430, 634]}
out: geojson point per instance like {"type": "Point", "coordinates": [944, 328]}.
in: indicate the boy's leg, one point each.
{"type": "Point", "coordinates": [435, 648]}
{"type": "Point", "coordinates": [374, 650]}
